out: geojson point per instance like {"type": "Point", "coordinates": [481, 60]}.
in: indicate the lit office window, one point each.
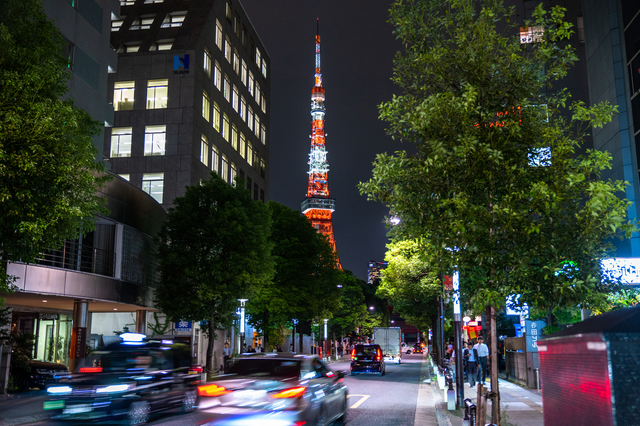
{"type": "Point", "coordinates": [123, 92]}
{"type": "Point", "coordinates": [204, 150]}
{"type": "Point", "coordinates": [234, 136]}
{"type": "Point", "coordinates": [256, 126]}
{"type": "Point", "coordinates": [234, 99]}
{"type": "Point", "coordinates": [234, 173]}
{"type": "Point", "coordinates": [131, 48]}
{"type": "Point", "coordinates": [121, 141]}
{"type": "Point", "coordinates": [206, 106]}
{"type": "Point", "coordinates": [155, 139]}
{"type": "Point", "coordinates": [263, 104]}
{"type": "Point", "coordinates": [153, 184]}
{"type": "Point", "coordinates": [217, 77]}
{"type": "Point", "coordinates": [263, 135]}
{"type": "Point", "coordinates": [224, 168]}
{"type": "Point", "coordinates": [243, 146]}
{"type": "Point", "coordinates": [251, 83]}
{"type": "Point", "coordinates": [215, 159]}
{"type": "Point", "coordinates": [227, 49]}
{"type": "Point", "coordinates": [225, 127]}
{"type": "Point", "coordinates": [207, 62]}
{"type": "Point", "coordinates": [250, 154]}
{"type": "Point", "coordinates": [115, 25]}
{"type": "Point", "coordinates": [264, 69]}
{"type": "Point", "coordinates": [243, 108]}
{"type": "Point", "coordinates": [243, 72]}
{"type": "Point", "coordinates": [257, 93]}
{"type": "Point", "coordinates": [227, 10]}
{"type": "Point", "coordinates": [218, 36]}
{"type": "Point", "coordinates": [157, 94]}
{"type": "Point", "coordinates": [164, 46]}
{"type": "Point", "coordinates": [226, 90]}
{"type": "Point", "coordinates": [250, 118]}
{"type": "Point", "coordinates": [174, 19]}
{"type": "Point", "coordinates": [258, 58]}
{"type": "Point", "coordinates": [216, 117]}
{"type": "Point", "coordinates": [236, 62]}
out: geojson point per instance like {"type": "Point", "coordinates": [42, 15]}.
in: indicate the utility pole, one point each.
{"type": "Point", "coordinates": [457, 327]}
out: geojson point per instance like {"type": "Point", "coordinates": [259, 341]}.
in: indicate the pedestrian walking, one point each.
{"type": "Point", "coordinates": [472, 364]}
{"type": "Point", "coordinates": [226, 352]}
{"type": "Point", "coordinates": [483, 353]}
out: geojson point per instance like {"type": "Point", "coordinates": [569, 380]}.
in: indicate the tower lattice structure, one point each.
{"type": "Point", "coordinates": [317, 206]}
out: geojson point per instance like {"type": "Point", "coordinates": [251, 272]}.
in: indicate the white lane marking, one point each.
{"type": "Point", "coordinates": [357, 404]}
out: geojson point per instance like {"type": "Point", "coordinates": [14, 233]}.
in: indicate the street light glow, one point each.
{"type": "Point", "coordinates": [371, 308]}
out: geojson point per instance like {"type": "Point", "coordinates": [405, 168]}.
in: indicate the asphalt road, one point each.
{"type": "Point", "coordinates": [373, 400]}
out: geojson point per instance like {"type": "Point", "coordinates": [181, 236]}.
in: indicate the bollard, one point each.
{"type": "Point", "coordinates": [451, 396]}
{"type": "Point", "coordinates": [440, 381]}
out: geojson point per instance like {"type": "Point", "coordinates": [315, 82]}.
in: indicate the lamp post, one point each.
{"type": "Point", "coordinates": [293, 336]}
{"type": "Point", "coordinates": [242, 302]}
{"type": "Point", "coordinates": [457, 324]}
{"type": "Point", "coordinates": [325, 336]}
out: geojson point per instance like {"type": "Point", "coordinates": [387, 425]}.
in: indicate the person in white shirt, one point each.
{"type": "Point", "coordinates": [472, 365]}
{"type": "Point", "coordinates": [483, 353]}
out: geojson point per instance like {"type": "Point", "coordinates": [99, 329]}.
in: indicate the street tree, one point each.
{"type": "Point", "coordinates": [213, 249]}
{"type": "Point", "coordinates": [48, 171]}
{"type": "Point", "coordinates": [496, 184]}
{"type": "Point", "coordinates": [305, 278]}
{"type": "Point", "coordinates": [351, 312]}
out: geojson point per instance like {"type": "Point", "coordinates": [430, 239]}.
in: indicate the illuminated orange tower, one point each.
{"type": "Point", "coordinates": [318, 207]}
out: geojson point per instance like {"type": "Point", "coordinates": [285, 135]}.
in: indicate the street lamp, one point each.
{"type": "Point", "coordinates": [242, 302]}
{"type": "Point", "coordinates": [371, 308]}
{"type": "Point", "coordinates": [325, 337]}
{"type": "Point", "coordinates": [293, 336]}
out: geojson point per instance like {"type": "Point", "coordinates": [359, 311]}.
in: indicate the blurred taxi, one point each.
{"type": "Point", "coordinates": [132, 379]}
{"type": "Point", "coordinates": [275, 389]}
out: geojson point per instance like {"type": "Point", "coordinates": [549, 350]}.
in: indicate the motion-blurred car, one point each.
{"type": "Point", "coordinates": [367, 359]}
{"type": "Point", "coordinates": [407, 349]}
{"type": "Point", "coordinates": [43, 373]}
{"type": "Point", "coordinates": [276, 389]}
{"type": "Point", "coordinates": [132, 379]}
{"type": "Point", "coordinates": [417, 349]}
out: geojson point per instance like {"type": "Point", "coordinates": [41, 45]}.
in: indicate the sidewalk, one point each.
{"type": "Point", "coordinates": [518, 406]}
{"type": "Point", "coordinates": [23, 408]}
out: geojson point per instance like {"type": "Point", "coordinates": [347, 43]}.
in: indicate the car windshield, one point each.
{"type": "Point", "coordinates": [366, 350]}
{"type": "Point", "coordinates": [266, 367]}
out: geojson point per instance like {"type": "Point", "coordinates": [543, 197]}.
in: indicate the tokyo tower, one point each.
{"type": "Point", "coordinates": [318, 206]}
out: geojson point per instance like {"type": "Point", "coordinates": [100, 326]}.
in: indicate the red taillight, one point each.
{"type": "Point", "coordinates": [91, 370]}
{"type": "Point", "coordinates": [212, 390]}
{"type": "Point", "coordinates": [290, 393]}
{"type": "Point", "coordinates": [378, 355]}
{"type": "Point", "coordinates": [353, 354]}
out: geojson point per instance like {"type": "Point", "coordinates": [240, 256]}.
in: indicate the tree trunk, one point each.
{"type": "Point", "coordinates": [493, 353]}
{"type": "Point", "coordinates": [265, 331]}
{"type": "Point", "coordinates": [212, 334]}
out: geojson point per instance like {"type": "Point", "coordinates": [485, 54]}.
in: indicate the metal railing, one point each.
{"type": "Point", "coordinates": [469, 413]}
{"type": "Point", "coordinates": [80, 257]}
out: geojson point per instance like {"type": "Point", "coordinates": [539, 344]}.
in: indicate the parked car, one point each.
{"type": "Point", "coordinates": [407, 349]}
{"type": "Point", "coordinates": [132, 379]}
{"type": "Point", "coordinates": [367, 359]}
{"type": "Point", "coordinates": [275, 388]}
{"type": "Point", "coordinates": [43, 373]}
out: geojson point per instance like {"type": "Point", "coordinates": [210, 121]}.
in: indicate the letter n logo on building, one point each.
{"type": "Point", "coordinates": [180, 63]}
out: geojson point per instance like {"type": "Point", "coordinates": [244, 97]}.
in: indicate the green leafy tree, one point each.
{"type": "Point", "coordinates": [352, 311]}
{"type": "Point", "coordinates": [48, 171]}
{"type": "Point", "coordinates": [495, 184]}
{"type": "Point", "coordinates": [213, 249]}
{"type": "Point", "coordinates": [305, 279]}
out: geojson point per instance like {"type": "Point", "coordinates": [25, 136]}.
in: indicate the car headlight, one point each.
{"type": "Point", "coordinates": [113, 389]}
{"type": "Point", "coordinates": [59, 390]}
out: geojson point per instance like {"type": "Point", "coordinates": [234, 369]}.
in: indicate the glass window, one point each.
{"type": "Point", "coordinates": [206, 106]}
{"type": "Point", "coordinates": [263, 167]}
{"type": "Point", "coordinates": [234, 136]}
{"type": "Point", "coordinates": [234, 98]}
{"type": "Point", "coordinates": [225, 127]}
{"type": "Point", "coordinates": [243, 72]}
{"type": "Point", "coordinates": [217, 77]}
{"type": "Point", "coordinates": [243, 146]}
{"type": "Point", "coordinates": [115, 25]}
{"type": "Point", "coordinates": [165, 46]}
{"type": "Point", "coordinates": [234, 173]}
{"type": "Point", "coordinates": [263, 104]}
{"type": "Point", "coordinates": [157, 94]}
{"type": "Point", "coordinates": [251, 83]}
{"type": "Point", "coordinates": [243, 108]}
{"type": "Point", "coordinates": [226, 90]}
{"type": "Point", "coordinates": [236, 62]}
{"type": "Point", "coordinates": [121, 142]}
{"type": "Point", "coordinates": [224, 168]}
{"type": "Point", "coordinates": [207, 62]}
{"type": "Point", "coordinates": [227, 11]}
{"type": "Point", "coordinates": [215, 161]}
{"type": "Point", "coordinates": [218, 36]}
{"type": "Point", "coordinates": [216, 116]}
{"type": "Point", "coordinates": [256, 127]}
{"type": "Point", "coordinates": [258, 58]}
{"type": "Point", "coordinates": [204, 150]}
{"type": "Point", "coordinates": [155, 138]}
{"type": "Point", "coordinates": [263, 135]}
{"type": "Point", "coordinates": [250, 154]}
{"type": "Point", "coordinates": [123, 92]}
{"type": "Point", "coordinates": [152, 184]}
{"type": "Point", "coordinates": [227, 49]}
{"type": "Point", "coordinates": [264, 69]}
{"type": "Point", "coordinates": [255, 191]}
{"type": "Point", "coordinates": [125, 176]}
{"type": "Point", "coordinates": [174, 19]}
{"type": "Point", "coordinates": [257, 94]}
{"type": "Point", "coordinates": [250, 118]}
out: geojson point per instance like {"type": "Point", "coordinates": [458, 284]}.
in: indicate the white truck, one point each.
{"type": "Point", "coordinates": [389, 339]}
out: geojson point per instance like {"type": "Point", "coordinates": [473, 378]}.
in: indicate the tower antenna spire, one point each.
{"type": "Point", "coordinates": [317, 206]}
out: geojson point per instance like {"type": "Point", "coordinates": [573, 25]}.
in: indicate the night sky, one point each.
{"type": "Point", "coordinates": [357, 50]}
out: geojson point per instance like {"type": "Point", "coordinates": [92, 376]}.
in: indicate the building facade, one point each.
{"type": "Point", "coordinates": [190, 94]}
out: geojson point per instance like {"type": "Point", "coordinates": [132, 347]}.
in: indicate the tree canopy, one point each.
{"type": "Point", "coordinates": [48, 171]}
{"type": "Point", "coordinates": [213, 249]}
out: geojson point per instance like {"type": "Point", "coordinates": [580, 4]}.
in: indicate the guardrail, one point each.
{"type": "Point", "coordinates": [80, 257]}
